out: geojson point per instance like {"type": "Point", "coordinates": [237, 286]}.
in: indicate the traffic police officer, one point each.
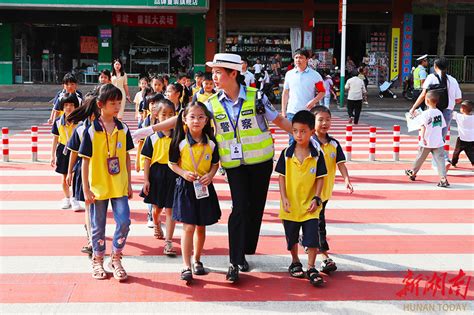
{"type": "Point", "coordinates": [419, 76]}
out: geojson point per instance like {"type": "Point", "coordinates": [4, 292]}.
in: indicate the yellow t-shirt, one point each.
{"type": "Point", "coordinates": [62, 129]}
{"type": "Point", "coordinates": [300, 182]}
{"type": "Point", "coordinates": [333, 155]}
{"type": "Point", "coordinates": [157, 148]}
{"type": "Point", "coordinates": [94, 147]}
{"type": "Point", "coordinates": [184, 160]}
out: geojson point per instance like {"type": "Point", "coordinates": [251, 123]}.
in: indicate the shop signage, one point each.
{"type": "Point", "coordinates": [339, 24]}
{"type": "Point", "coordinates": [407, 44]}
{"type": "Point", "coordinates": [89, 45]}
{"type": "Point", "coordinates": [166, 20]}
{"type": "Point", "coordinates": [395, 52]}
{"type": "Point", "coordinates": [194, 5]}
{"type": "Point", "coordinates": [105, 33]}
{"type": "Point", "coordinates": [308, 40]}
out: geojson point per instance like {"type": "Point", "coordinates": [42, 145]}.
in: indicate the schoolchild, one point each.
{"type": "Point", "coordinates": [106, 177]}
{"type": "Point", "coordinates": [194, 157]}
{"type": "Point", "coordinates": [105, 77]}
{"type": "Point", "coordinates": [159, 179]}
{"type": "Point", "coordinates": [143, 107]}
{"type": "Point", "coordinates": [62, 131]}
{"type": "Point", "coordinates": [465, 141]}
{"type": "Point", "coordinates": [69, 86]}
{"type": "Point", "coordinates": [431, 139]}
{"type": "Point", "coordinates": [82, 116]}
{"type": "Point", "coordinates": [174, 93]}
{"type": "Point", "coordinates": [151, 102]}
{"type": "Point", "coordinates": [207, 90]}
{"type": "Point", "coordinates": [144, 81]}
{"type": "Point", "coordinates": [199, 78]}
{"type": "Point", "coordinates": [333, 156]}
{"type": "Point", "coordinates": [302, 170]}
{"type": "Point", "coordinates": [158, 84]}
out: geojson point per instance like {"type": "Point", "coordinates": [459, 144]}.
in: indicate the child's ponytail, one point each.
{"type": "Point", "coordinates": [178, 133]}
{"type": "Point", "coordinates": [87, 109]}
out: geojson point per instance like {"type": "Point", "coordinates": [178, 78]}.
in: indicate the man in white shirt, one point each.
{"type": "Point", "coordinates": [356, 90]}
{"type": "Point", "coordinates": [303, 87]}
{"type": "Point", "coordinates": [249, 77]}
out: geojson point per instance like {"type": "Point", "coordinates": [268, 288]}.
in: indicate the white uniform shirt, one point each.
{"type": "Point", "coordinates": [454, 92]}
{"type": "Point", "coordinates": [434, 122]}
{"type": "Point", "coordinates": [249, 78]}
{"type": "Point", "coordinates": [257, 67]}
{"type": "Point", "coordinates": [465, 126]}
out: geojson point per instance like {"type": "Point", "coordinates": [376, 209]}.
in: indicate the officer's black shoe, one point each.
{"type": "Point", "coordinates": [245, 267]}
{"type": "Point", "coordinates": [232, 273]}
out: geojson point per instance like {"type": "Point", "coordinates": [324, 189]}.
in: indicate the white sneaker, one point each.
{"type": "Point", "coordinates": [150, 224]}
{"type": "Point", "coordinates": [66, 203]}
{"type": "Point", "coordinates": [75, 204]}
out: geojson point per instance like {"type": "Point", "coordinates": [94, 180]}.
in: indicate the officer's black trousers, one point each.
{"type": "Point", "coordinates": [248, 187]}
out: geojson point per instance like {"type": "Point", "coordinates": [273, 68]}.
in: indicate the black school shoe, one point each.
{"type": "Point", "coordinates": [245, 267]}
{"type": "Point", "coordinates": [232, 274]}
{"type": "Point", "coordinates": [187, 275]}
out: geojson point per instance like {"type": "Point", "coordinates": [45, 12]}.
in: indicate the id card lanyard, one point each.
{"type": "Point", "coordinates": [236, 124]}
{"type": "Point", "coordinates": [67, 136]}
{"type": "Point", "coordinates": [196, 164]}
{"type": "Point", "coordinates": [113, 165]}
{"type": "Point", "coordinates": [200, 190]}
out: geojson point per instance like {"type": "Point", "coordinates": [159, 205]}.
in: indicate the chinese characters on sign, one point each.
{"type": "Point", "coordinates": [395, 52]}
{"type": "Point", "coordinates": [407, 44]}
{"type": "Point", "coordinates": [177, 2]}
{"type": "Point", "coordinates": [89, 45]}
{"type": "Point", "coordinates": [145, 19]}
{"type": "Point", "coordinates": [457, 286]}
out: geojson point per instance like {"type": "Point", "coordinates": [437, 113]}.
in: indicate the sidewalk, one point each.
{"type": "Point", "coordinates": [39, 97]}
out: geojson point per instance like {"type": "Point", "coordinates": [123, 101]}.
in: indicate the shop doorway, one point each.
{"type": "Point", "coordinates": [45, 52]}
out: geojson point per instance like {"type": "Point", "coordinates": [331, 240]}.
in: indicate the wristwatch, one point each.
{"type": "Point", "coordinates": [318, 200]}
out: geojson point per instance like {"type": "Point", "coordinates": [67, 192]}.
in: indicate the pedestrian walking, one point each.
{"type": "Point", "coordinates": [355, 94]}
{"type": "Point", "coordinates": [194, 157]}
{"type": "Point", "coordinates": [120, 80]}
{"type": "Point", "coordinates": [106, 176]}
{"type": "Point", "coordinates": [62, 131]}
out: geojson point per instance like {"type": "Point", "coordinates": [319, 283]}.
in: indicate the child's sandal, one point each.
{"type": "Point", "coordinates": [98, 271]}
{"type": "Point", "coordinates": [410, 175]}
{"type": "Point", "coordinates": [169, 250]}
{"type": "Point", "coordinates": [187, 275]}
{"type": "Point", "coordinates": [159, 232]}
{"type": "Point", "coordinates": [296, 270]}
{"type": "Point", "coordinates": [328, 266]}
{"type": "Point", "coordinates": [115, 264]}
{"type": "Point", "coordinates": [314, 278]}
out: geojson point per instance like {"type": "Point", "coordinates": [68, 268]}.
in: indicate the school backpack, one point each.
{"type": "Point", "coordinates": [442, 89]}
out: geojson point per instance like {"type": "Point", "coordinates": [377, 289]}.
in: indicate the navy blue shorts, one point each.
{"type": "Point", "coordinates": [310, 233]}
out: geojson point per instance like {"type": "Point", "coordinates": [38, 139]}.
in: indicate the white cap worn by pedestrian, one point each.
{"type": "Point", "coordinates": [228, 61]}
{"type": "Point", "coordinates": [422, 57]}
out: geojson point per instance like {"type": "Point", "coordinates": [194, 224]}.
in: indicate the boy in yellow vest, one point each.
{"type": "Point", "coordinates": [302, 169]}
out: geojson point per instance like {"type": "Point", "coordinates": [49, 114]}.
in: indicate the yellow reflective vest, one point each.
{"type": "Point", "coordinates": [257, 145]}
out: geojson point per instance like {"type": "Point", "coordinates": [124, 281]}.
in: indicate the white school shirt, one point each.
{"type": "Point", "coordinates": [454, 92]}
{"type": "Point", "coordinates": [465, 126]}
{"type": "Point", "coordinates": [433, 120]}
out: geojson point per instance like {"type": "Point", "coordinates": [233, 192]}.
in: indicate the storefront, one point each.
{"type": "Point", "coordinates": [43, 40]}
